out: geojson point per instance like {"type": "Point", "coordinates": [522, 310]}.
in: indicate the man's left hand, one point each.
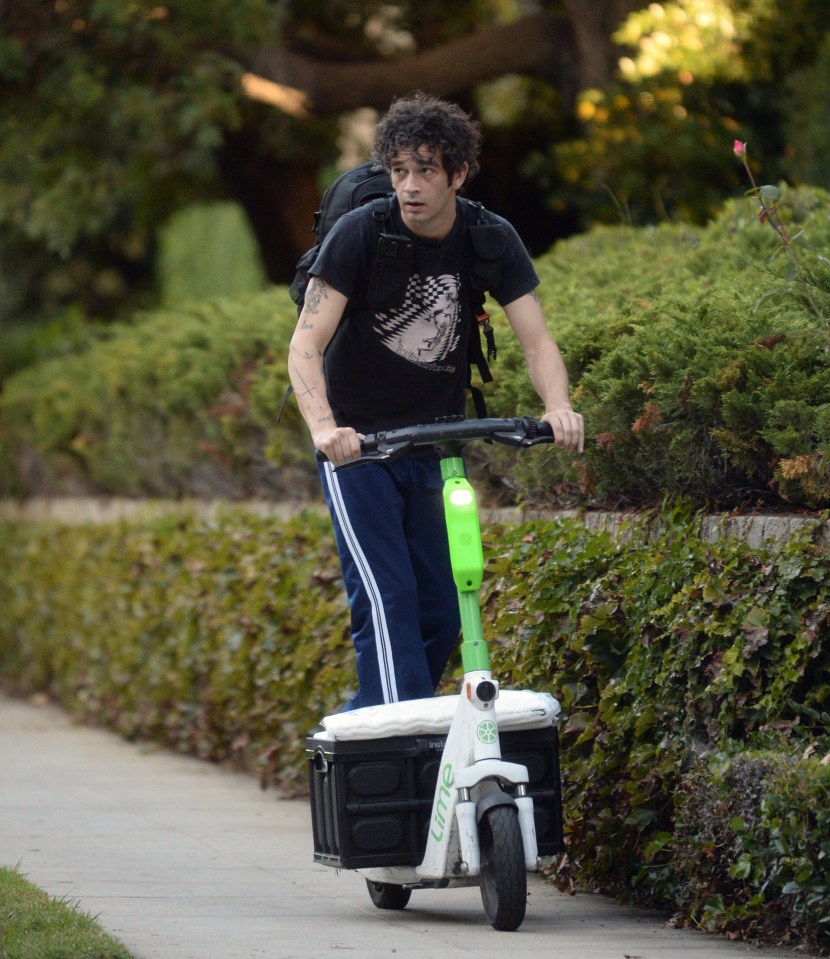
{"type": "Point", "coordinates": [568, 428]}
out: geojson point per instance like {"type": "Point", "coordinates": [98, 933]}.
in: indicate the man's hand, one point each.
{"type": "Point", "coordinates": [568, 428]}
{"type": "Point", "coordinates": [340, 444]}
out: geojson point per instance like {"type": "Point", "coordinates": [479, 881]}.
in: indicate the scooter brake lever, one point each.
{"type": "Point", "coordinates": [388, 450]}
{"type": "Point", "coordinates": [535, 440]}
{"type": "Point", "coordinates": [527, 432]}
{"type": "Point", "coordinates": [509, 439]}
{"type": "Point", "coordinates": [383, 452]}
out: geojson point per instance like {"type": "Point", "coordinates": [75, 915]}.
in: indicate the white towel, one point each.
{"type": "Point", "coordinates": [515, 709]}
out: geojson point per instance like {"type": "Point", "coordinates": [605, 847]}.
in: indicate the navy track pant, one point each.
{"type": "Point", "coordinates": [392, 541]}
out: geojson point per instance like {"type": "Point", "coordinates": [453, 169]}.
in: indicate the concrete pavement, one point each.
{"type": "Point", "coordinates": [180, 859]}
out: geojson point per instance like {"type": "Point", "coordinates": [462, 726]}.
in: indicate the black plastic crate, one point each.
{"type": "Point", "coordinates": [538, 749]}
{"type": "Point", "coordinates": [371, 798]}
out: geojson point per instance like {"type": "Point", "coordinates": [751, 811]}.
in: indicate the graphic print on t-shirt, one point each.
{"type": "Point", "coordinates": [424, 330]}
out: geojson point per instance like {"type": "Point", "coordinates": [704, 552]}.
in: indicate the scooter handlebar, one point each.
{"type": "Point", "coordinates": [522, 431]}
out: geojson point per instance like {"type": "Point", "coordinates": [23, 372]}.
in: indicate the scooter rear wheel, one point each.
{"type": "Point", "coordinates": [503, 878]}
{"type": "Point", "coordinates": [386, 895]}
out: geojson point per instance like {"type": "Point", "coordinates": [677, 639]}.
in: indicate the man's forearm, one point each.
{"type": "Point", "coordinates": [319, 319]}
{"type": "Point", "coordinates": [549, 376]}
{"type": "Point", "coordinates": [305, 368]}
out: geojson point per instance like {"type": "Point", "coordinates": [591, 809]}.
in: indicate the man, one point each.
{"type": "Point", "coordinates": [360, 366]}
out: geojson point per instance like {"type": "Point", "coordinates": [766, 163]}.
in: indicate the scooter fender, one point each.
{"type": "Point", "coordinates": [496, 769]}
{"type": "Point", "coordinates": [527, 825]}
{"type": "Point", "coordinates": [468, 815]}
{"type": "Point", "coordinates": [490, 800]}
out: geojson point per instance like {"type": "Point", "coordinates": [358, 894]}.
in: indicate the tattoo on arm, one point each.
{"type": "Point", "coordinates": [315, 294]}
{"type": "Point", "coordinates": [307, 389]}
{"type": "Point", "coordinates": [535, 296]}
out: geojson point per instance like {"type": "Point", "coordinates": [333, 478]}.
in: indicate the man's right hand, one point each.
{"type": "Point", "coordinates": [339, 444]}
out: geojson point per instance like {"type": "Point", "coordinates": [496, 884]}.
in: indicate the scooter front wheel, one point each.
{"type": "Point", "coordinates": [503, 878]}
{"type": "Point", "coordinates": [386, 895]}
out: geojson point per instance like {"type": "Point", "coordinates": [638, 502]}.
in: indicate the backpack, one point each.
{"type": "Point", "coordinates": [351, 189]}
{"type": "Point", "coordinates": [370, 185]}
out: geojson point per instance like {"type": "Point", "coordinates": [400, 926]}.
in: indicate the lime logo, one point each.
{"type": "Point", "coordinates": [441, 805]}
{"type": "Point", "coordinates": [487, 732]}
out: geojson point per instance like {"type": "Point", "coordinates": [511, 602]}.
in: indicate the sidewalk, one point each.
{"type": "Point", "coordinates": [180, 859]}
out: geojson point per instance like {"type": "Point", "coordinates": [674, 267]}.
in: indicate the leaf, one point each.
{"type": "Point", "coordinates": [756, 637]}
{"type": "Point", "coordinates": [658, 843]}
{"type": "Point", "coordinates": [742, 868]}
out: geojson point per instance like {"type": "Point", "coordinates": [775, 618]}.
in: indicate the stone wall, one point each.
{"type": "Point", "coordinates": [754, 529]}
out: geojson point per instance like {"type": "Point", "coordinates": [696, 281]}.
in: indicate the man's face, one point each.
{"type": "Point", "coordinates": [425, 191]}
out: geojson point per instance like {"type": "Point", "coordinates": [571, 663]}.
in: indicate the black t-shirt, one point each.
{"type": "Point", "coordinates": [394, 367]}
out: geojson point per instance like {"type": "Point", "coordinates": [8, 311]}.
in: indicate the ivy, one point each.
{"type": "Point", "coordinates": [666, 650]}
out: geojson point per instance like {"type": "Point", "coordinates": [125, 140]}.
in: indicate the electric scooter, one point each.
{"type": "Point", "coordinates": [370, 808]}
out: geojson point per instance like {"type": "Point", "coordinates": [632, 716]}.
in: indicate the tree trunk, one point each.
{"type": "Point", "coordinates": [279, 197]}
{"type": "Point", "coordinates": [571, 50]}
{"type": "Point", "coordinates": [594, 22]}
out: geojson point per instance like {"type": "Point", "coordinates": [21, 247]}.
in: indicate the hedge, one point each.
{"type": "Point", "coordinates": [699, 365]}
{"type": "Point", "coordinates": [224, 638]}
{"type": "Point", "coordinates": [675, 659]}
{"type": "Point", "coordinates": [175, 403]}
{"type": "Point", "coordinates": [694, 677]}
{"type": "Point", "coordinates": [700, 362]}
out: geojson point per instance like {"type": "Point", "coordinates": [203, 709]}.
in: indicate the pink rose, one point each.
{"type": "Point", "coordinates": [740, 149]}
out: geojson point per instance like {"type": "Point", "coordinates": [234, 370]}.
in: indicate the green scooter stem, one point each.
{"type": "Point", "coordinates": [475, 655]}
{"type": "Point", "coordinates": [466, 558]}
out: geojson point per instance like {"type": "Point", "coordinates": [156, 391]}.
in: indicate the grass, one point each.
{"type": "Point", "coordinates": [35, 926]}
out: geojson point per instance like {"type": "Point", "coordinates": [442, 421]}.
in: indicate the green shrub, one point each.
{"type": "Point", "coordinates": [177, 403]}
{"type": "Point", "coordinates": [208, 250]}
{"type": "Point", "coordinates": [662, 648]}
{"type": "Point", "coordinates": [709, 379]}
{"type": "Point", "coordinates": [23, 345]}
{"type": "Point", "coordinates": [710, 398]}
{"type": "Point", "coordinates": [750, 852]}
{"type": "Point", "coordinates": [221, 637]}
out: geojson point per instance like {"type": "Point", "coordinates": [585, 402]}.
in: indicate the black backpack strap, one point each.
{"type": "Point", "coordinates": [487, 244]}
{"type": "Point", "coordinates": [393, 260]}
{"type": "Point", "coordinates": [479, 403]}
{"type": "Point", "coordinates": [381, 208]}
{"type": "Point", "coordinates": [289, 390]}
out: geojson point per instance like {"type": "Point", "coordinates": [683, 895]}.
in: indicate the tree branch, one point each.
{"type": "Point", "coordinates": [542, 44]}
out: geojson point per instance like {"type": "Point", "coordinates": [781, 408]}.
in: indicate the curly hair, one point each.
{"type": "Point", "coordinates": [424, 120]}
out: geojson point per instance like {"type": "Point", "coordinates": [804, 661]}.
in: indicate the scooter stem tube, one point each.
{"type": "Point", "coordinates": [475, 656]}
{"type": "Point", "coordinates": [467, 559]}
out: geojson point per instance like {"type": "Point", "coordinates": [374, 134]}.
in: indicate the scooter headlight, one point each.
{"type": "Point", "coordinates": [461, 497]}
